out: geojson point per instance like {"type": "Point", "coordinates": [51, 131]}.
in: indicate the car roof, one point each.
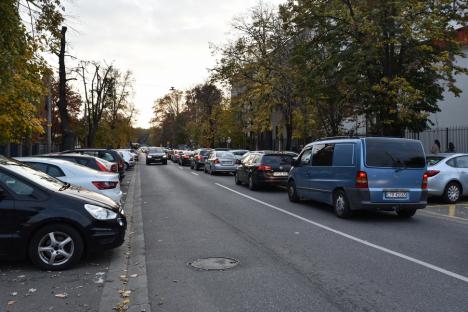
{"type": "Point", "coordinates": [354, 139]}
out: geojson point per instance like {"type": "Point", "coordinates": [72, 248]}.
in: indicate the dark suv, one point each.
{"type": "Point", "coordinates": [263, 168]}
{"type": "Point", "coordinates": [106, 154]}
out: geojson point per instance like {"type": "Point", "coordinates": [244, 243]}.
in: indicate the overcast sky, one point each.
{"type": "Point", "coordinates": [164, 43]}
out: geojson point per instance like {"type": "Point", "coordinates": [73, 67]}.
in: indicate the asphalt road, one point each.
{"type": "Point", "coordinates": [293, 257]}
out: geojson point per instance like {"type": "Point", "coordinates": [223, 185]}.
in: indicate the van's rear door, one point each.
{"type": "Point", "coordinates": [395, 169]}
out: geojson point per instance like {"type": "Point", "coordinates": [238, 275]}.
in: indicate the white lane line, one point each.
{"type": "Point", "coordinates": [180, 168]}
{"type": "Point", "coordinates": [364, 242]}
{"type": "Point", "coordinates": [194, 173]}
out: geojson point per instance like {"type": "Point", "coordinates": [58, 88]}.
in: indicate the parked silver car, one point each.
{"type": "Point", "coordinates": [220, 161]}
{"type": "Point", "coordinates": [448, 176]}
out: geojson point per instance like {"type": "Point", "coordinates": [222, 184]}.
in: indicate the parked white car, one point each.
{"type": "Point", "coordinates": [106, 183]}
{"type": "Point", "coordinates": [128, 158]}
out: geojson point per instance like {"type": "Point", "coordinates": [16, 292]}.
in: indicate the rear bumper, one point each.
{"type": "Point", "coordinates": [219, 168]}
{"type": "Point", "coordinates": [271, 180]}
{"type": "Point", "coordinates": [359, 199]}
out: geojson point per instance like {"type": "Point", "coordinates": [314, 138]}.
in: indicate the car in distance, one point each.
{"type": "Point", "coordinates": [239, 153]}
{"type": "Point", "coordinates": [263, 168]}
{"type": "Point", "coordinates": [128, 157]}
{"type": "Point", "coordinates": [185, 158]}
{"type": "Point", "coordinates": [220, 161]}
{"type": "Point", "coordinates": [106, 154]}
{"type": "Point", "coordinates": [86, 160]}
{"type": "Point", "coordinates": [156, 155]}
{"type": "Point", "coordinates": [51, 222]}
{"type": "Point", "coordinates": [106, 183]}
{"type": "Point", "coordinates": [448, 176]}
{"type": "Point", "coordinates": [362, 174]}
{"type": "Point", "coordinates": [199, 157]}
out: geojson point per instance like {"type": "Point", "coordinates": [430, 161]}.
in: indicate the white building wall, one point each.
{"type": "Point", "coordinates": [454, 110]}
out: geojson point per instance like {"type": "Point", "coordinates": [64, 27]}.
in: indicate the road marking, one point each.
{"type": "Point", "coordinates": [444, 216]}
{"type": "Point", "coordinates": [194, 173]}
{"type": "Point", "coordinates": [353, 238]}
{"type": "Point", "coordinates": [452, 210]}
{"type": "Point", "coordinates": [180, 168]}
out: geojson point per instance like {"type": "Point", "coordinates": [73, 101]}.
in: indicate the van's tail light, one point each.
{"type": "Point", "coordinates": [424, 181]}
{"type": "Point", "coordinates": [105, 185]}
{"type": "Point", "coordinates": [431, 173]}
{"type": "Point", "coordinates": [216, 161]}
{"type": "Point", "coordinates": [264, 168]}
{"type": "Point", "coordinates": [101, 166]}
{"type": "Point", "coordinates": [361, 180]}
{"type": "Point", "coordinates": [113, 168]}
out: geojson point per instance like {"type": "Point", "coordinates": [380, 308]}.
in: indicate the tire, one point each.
{"type": "Point", "coordinates": [236, 179]}
{"type": "Point", "coordinates": [191, 166]}
{"type": "Point", "coordinates": [204, 170]}
{"type": "Point", "coordinates": [165, 163]}
{"type": "Point", "coordinates": [126, 165]}
{"type": "Point", "coordinates": [60, 233]}
{"type": "Point", "coordinates": [452, 193]}
{"type": "Point", "coordinates": [406, 213]}
{"type": "Point", "coordinates": [147, 163]}
{"type": "Point", "coordinates": [212, 172]}
{"type": "Point", "coordinates": [292, 192]}
{"type": "Point", "coordinates": [252, 184]}
{"type": "Point", "coordinates": [341, 205]}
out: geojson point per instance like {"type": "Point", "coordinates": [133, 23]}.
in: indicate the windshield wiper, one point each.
{"type": "Point", "coordinates": [65, 186]}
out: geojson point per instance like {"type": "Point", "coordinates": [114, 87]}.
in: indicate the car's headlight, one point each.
{"type": "Point", "coordinates": [149, 156]}
{"type": "Point", "coordinates": [100, 213]}
{"type": "Point", "coordinates": [164, 156]}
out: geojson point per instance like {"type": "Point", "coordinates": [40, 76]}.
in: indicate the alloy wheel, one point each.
{"type": "Point", "coordinates": [453, 193]}
{"type": "Point", "coordinates": [56, 248]}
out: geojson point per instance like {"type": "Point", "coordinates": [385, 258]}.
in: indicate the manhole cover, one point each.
{"type": "Point", "coordinates": [215, 263]}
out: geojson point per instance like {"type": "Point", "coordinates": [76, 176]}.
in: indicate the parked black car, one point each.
{"type": "Point", "coordinates": [263, 168]}
{"type": "Point", "coordinates": [51, 222]}
{"type": "Point", "coordinates": [156, 155]}
{"type": "Point", "coordinates": [199, 156]}
{"type": "Point", "coordinates": [106, 154]}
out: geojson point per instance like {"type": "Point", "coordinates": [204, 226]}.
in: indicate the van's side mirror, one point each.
{"type": "Point", "coordinates": [295, 162]}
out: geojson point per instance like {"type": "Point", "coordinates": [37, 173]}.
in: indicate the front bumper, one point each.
{"type": "Point", "coordinates": [156, 160]}
{"type": "Point", "coordinates": [106, 234]}
{"type": "Point", "coordinates": [359, 199]}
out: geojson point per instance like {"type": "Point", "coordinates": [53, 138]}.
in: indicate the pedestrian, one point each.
{"type": "Point", "coordinates": [435, 149]}
{"type": "Point", "coordinates": [451, 148]}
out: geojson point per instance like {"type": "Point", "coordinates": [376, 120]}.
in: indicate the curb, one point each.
{"type": "Point", "coordinates": [128, 260]}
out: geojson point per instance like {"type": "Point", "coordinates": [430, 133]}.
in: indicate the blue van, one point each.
{"type": "Point", "coordinates": [371, 173]}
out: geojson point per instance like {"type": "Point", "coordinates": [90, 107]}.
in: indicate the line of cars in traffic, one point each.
{"type": "Point", "coordinates": [348, 173]}
{"type": "Point", "coordinates": [55, 208]}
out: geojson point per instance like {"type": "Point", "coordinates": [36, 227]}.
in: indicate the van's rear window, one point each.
{"type": "Point", "coordinates": [391, 153]}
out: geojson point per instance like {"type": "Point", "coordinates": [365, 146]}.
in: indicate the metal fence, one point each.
{"type": "Point", "coordinates": [456, 135]}
{"type": "Point", "coordinates": [18, 150]}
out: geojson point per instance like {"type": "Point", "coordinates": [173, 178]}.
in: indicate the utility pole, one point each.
{"type": "Point", "coordinates": [49, 118]}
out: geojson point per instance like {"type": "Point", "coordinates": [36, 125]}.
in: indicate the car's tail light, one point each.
{"type": "Point", "coordinates": [105, 185]}
{"type": "Point", "coordinates": [198, 157]}
{"type": "Point", "coordinates": [361, 180]}
{"type": "Point", "coordinates": [113, 168]}
{"type": "Point", "coordinates": [431, 173]}
{"type": "Point", "coordinates": [101, 166]}
{"type": "Point", "coordinates": [121, 165]}
{"type": "Point", "coordinates": [216, 161]}
{"type": "Point", "coordinates": [424, 181]}
{"type": "Point", "coordinates": [263, 168]}
{"type": "Point", "coordinates": [186, 156]}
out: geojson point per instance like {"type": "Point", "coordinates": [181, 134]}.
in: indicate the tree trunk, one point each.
{"type": "Point", "coordinates": [68, 136]}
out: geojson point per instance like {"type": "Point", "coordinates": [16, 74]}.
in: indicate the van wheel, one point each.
{"type": "Point", "coordinates": [341, 205]}
{"type": "Point", "coordinates": [452, 192]}
{"type": "Point", "coordinates": [292, 192]}
{"type": "Point", "coordinates": [406, 213]}
{"type": "Point", "coordinates": [56, 247]}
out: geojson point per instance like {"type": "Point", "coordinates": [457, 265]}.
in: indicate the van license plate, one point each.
{"type": "Point", "coordinates": [396, 195]}
{"type": "Point", "coordinates": [280, 174]}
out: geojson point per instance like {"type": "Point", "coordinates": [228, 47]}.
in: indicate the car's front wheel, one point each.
{"type": "Point", "coordinates": [56, 247]}
{"type": "Point", "coordinates": [292, 192]}
{"type": "Point", "coordinates": [252, 183]}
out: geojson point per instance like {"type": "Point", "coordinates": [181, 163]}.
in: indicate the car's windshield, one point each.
{"type": "Point", "coordinates": [393, 153]}
{"type": "Point", "coordinates": [36, 176]}
{"type": "Point", "coordinates": [156, 150]}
